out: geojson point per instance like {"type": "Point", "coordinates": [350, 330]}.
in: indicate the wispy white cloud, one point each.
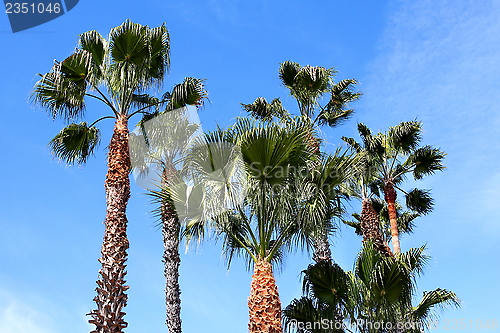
{"type": "Point", "coordinates": [440, 61]}
{"type": "Point", "coordinates": [19, 317]}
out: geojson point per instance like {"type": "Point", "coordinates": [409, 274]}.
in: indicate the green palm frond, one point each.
{"type": "Point", "coordinates": [405, 136]}
{"type": "Point", "coordinates": [354, 224]}
{"type": "Point", "coordinates": [352, 144]}
{"type": "Point", "coordinates": [75, 143]}
{"type": "Point", "coordinates": [159, 41]}
{"type": "Point", "coordinates": [272, 151]}
{"type": "Point", "coordinates": [426, 161]}
{"type": "Point", "coordinates": [328, 282]}
{"type": "Point", "coordinates": [419, 201]}
{"type": "Point", "coordinates": [287, 73]}
{"type": "Point", "coordinates": [60, 96]}
{"type": "Point", "coordinates": [145, 100]}
{"type": "Point", "coordinates": [335, 111]}
{"type": "Point", "coordinates": [441, 298]}
{"type": "Point", "coordinates": [263, 110]}
{"type": "Point", "coordinates": [93, 43]}
{"type": "Point", "coordinates": [190, 92]}
{"type": "Point", "coordinates": [139, 59]}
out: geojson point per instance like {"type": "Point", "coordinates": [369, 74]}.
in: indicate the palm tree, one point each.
{"type": "Point", "coordinates": [265, 226]}
{"type": "Point", "coordinates": [378, 291]}
{"type": "Point", "coordinates": [361, 186]}
{"type": "Point", "coordinates": [307, 85]}
{"type": "Point", "coordinates": [393, 155]}
{"type": "Point", "coordinates": [117, 71]}
{"type": "Point", "coordinates": [166, 136]}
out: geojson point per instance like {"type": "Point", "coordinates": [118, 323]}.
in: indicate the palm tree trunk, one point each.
{"type": "Point", "coordinates": [390, 198]}
{"type": "Point", "coordinates": [322, 248]}
{"type": "Point", "coordinates": [171, 257]}
{"type": "Point", "coordinates": [111, 297]}
{"type": "Point", "coordinates": [370, 227]}
{"type": "Point", "coordinates": [264, 302]}
{"type": "Point", "coordinates": [321, 243]}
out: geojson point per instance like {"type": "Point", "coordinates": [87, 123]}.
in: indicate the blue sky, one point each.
{"type": "Point", "coordinates": [436, 61]}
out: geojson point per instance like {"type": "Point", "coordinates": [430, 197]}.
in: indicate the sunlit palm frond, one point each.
{"type": "Point", "coordinates": [190, 92]}
{"type": "Point", "coordinates": [97, 46]}
{"type": "Point", "coordinates": [440, 298]}
{"type": "Point", "coordinates": [75, 143]}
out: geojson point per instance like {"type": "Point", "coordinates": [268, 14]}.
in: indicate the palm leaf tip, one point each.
{"type": "Point", "coordinates": [75, 143]}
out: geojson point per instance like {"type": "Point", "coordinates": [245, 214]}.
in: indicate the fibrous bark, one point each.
{"type": "Point", "coordinates": [390, 198]}
{"type": "Point", "coordinates": [264, 302]}
{"type": "Point", "coordinates": [370, 227]}
{"type": "Point", "coordinates": [171, 257]}
{"type": "Point", "coordinates": [322, 248]}
{"type": "Point", "coordinates": [321, 243]}
{"type": "Point", "coordinates": [111, 297]}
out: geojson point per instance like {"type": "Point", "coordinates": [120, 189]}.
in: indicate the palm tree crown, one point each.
{"type": "Point", "coordinates": [391, 157]}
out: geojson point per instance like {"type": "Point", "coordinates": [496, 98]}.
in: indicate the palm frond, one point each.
{"type": "Point", "coordinates": [405, 136]}
{"type": "Point", "coordinates": [335, 111]}
{"type": "Point", "coordinates": [287, 73]}
{"type": "Point", "coordinates": [441, 298]}
{"type": "Point", "coordinates": [60, 95]}
{"type": "Point", "coordinates": [419, 201]}
{"type": "Point", "coordinates": [263, 110]}
{"type": "Point", "coordinates": [97, 46]}
{"type": "Point", "coordinates": [75, 143]}
{"type": "Point", "coordinates": [426, 161]}
{"type": "Point", "coordinates": [190, 92]}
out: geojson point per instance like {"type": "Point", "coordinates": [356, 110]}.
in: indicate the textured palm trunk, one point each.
{"type": "Point", "coordinates": [171, 257]}
{"type": "Point", "coordinates": [321, 243]}
{"type": "Point", "coordinates": [370, 227]}
{"type": "Point", "coordinates": [322, 248]}
{"type": "Point", "coordinates": [264, 302]}
{"type": "Point", "coordinates": [111, 297]}
{"type": "Point", "coordinates": [390, 199]}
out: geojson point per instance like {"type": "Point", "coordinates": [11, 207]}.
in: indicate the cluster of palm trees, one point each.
{"type": "Point", "coordinates": [264, 186]}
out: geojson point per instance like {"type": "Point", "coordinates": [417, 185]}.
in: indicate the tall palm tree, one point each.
{"type": "Point", "coordinates": [378, 291]}
{"type": "Point", "coordinates": [394, 155]}
{"type": "Point", "coordinates": [307, 85]}
{"type": "Point", "coordinates": [276, 213]}
{"type": "Point", "coordinates": [117, 71]}
{"type": "Point", "coordinates": [164, 137]}
{"type": "Point", "coordinates": [361, 186]}
{"type": "Point", "coordinates": [265, 226]}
